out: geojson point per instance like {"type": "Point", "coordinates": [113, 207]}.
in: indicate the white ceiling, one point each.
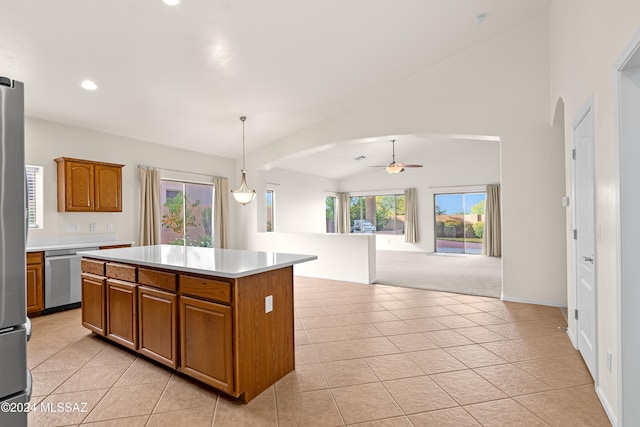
{"type": "Point", "coordinates": [338, 161]}
{"type": "Point", "coordinates": [183, 75]}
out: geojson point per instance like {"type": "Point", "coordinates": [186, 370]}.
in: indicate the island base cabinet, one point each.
{"type": "Point", "coordinates": [93, 303]}
{"type": "Point", "coordinates": [206, 343]}
{"type": "Point", "coordinates": [157, 316]}
{"type": "Point", "coordinates": [122, 313]}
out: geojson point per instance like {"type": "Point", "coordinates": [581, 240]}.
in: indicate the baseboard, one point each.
{"type": "Point", "coordinates": [551, 304]}
{"type": "Point", "coordinates": [607, 407]}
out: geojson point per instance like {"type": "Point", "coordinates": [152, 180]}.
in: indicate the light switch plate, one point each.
{"type": "Point", "coordinates": [73, 228]}
{"type": "Point", "coordinates": [109, 227]}
{"type": "Point", "coordinates": [268, 304]}
{"type": "Point", "coordinates": [92, 226]}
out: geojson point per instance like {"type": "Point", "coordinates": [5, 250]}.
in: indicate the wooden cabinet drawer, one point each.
{"type": "Point", "coordinates": [34, 258]}
{"type": "Point", "coordinates": [92, 266]}
{"type": "Point", "coordinates": [211, 289]}
{"type": "Point", "coordinates": [121, 272]}
{"type": "Point", "coordinates": [157, 279]}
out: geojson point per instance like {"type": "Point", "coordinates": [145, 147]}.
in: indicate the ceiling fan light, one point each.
{"type": "Point", "coordinates": [394, 168]}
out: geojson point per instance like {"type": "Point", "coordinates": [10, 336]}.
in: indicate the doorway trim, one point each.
{"type": "Point", "coordinates": [628, 413]}
{"type": "Point", "coordinates": [587, 108]}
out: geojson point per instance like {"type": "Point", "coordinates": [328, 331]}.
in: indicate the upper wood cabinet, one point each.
{"type": "Point", "coordinates": [88, 186]}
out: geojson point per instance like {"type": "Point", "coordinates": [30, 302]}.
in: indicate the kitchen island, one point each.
{"type": "Point", "coordinates": [221, 316]}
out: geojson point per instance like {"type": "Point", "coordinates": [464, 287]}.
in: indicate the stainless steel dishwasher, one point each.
{"type": "Point", "coordinates": [62, 288]}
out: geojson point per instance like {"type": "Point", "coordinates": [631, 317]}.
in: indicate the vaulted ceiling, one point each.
{"type": "Point", "coordinates": [182, 75]}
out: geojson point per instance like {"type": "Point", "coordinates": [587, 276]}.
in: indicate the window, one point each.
{"type": "Point", "coordinates": [186, 210]}
{"type": "Point", "coordinates": [270, 210]}
{"type": "Point", "coordinates": [377, 214]}
{"type": "Point", "coordinates": [459, 222]}
{"type": "Point", "coordinates": [330, 213]}
{"type": "Point", "coordinates": [34, 195]}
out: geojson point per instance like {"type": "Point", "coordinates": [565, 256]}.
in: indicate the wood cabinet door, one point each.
{"type": "Point", "coordinates": [108, 188]}
{"type": "Point", "coordinates": [122, 313]}
{"type": "Point", "coordinates": [158, 331]}
{"type": "Point", "coordinates": [79, 186]}
{"type": "Point", "coordinates": [206, 351]}
{"type": "Point", "coordinates": [35, 298]}
{"type": "Point", "coordinates": [93, 303]}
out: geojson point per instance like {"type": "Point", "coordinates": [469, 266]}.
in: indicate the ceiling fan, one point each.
{"type": "Point", "coordinates": [396, 167]}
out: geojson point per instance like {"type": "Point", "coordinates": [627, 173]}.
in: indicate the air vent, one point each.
{"type": "Point", "coordinates": [359, 158]}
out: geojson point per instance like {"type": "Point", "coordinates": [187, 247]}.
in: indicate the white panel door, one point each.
{"type": "Point", "coordinates": [585, 242]}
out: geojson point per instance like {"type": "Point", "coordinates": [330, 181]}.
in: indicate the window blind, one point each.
{"type": "Point", "coordinates": [32, 195]}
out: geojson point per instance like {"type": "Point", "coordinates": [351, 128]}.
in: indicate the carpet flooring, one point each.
{"type": "Point", "coordinates": [458, 273]}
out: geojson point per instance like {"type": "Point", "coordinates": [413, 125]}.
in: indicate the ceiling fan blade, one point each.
{"type": "Point", "coordinates": [411, 166]}
{"type": "Point", "coordinates": [378, 166]}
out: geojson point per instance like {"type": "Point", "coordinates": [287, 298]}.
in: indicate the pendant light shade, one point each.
{"type": "Point", "coordinates": [243, 195]}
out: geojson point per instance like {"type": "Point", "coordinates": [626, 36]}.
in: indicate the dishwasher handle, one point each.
{"type": "Point", "coordinates": [56, 257]}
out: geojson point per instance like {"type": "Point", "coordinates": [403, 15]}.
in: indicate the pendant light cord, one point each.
{"type": "Point", "coordinates": [393, 147]}
{"type": "Point", "coordinates": [243, 118]}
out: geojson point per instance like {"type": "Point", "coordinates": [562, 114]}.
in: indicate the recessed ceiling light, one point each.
{"type": "Point", "coordinates": [171, 2]}
{"type": "Point", "coordinates": [89, 85]}
{"type": "Point", "coordinates": [480, 19]}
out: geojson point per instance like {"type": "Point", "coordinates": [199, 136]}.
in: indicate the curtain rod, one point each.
{"type": "Point", "coordinates": [371, 192]}
{"type": "Point", "coordinates": [456, 186]}
{"type": "Point", "coordinates": [176, 170]}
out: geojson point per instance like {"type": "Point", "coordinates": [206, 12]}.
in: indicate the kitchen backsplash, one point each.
{"type": "Point", "coordinates": [70, 239]}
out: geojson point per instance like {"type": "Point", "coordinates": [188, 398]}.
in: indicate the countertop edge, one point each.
{"type": "Point", "coordinates": [42, 248]}
{"type": "Point", "coordinates": [184, 269]}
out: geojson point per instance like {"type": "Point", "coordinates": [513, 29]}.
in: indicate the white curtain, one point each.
{"type": "Point", "coordinates": [492, 235]}
{"type": "Point", "coordinates": [221, 212]}
{"type": "Point", "coordinates": [149, 206]}
{"type": "Point", "coordinates": [343, 214]}
{"type": "Point", "coordinates": [411, 215]}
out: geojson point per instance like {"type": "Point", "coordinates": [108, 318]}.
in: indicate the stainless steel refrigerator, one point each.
{"type": "Point", "coordinates": [15, 379]}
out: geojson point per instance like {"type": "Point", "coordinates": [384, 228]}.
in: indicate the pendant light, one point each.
{"type": "Point", "coordinates": [243, 195]}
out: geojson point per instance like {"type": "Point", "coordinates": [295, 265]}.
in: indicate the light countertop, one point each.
{"type": "Point", "coordinates": [229, 263]}
{"type": "Point", "coordinates": [55, 246]}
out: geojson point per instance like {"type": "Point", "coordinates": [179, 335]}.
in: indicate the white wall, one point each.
{"type": "Point", "coordinates": [344, 257]}
{"type": "Point", "coordinates": [499, 88]}
{"type": "Point", "coordinates": [299, 200]}
{"type": "Point", "coordinates": [463, 164]}
{"type": "Point", "coordinates": [587, 38]}
{"type": "Point", "coordinates": [45, 141]}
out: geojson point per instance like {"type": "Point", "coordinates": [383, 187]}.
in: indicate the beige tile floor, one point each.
{"type": "Point", "coordinates": [365, 355]}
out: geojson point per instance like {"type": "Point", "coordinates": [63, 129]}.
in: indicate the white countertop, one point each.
{"type": "Point", "coordinates": [55, 246]}
{"type": "Point", "coordinates": [229, 263]}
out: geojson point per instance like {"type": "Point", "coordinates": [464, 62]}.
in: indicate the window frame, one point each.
{"type": "Point", "coordinates": [362, 202]}
{"type": "Point", "coordinates": [273, 210]}
{"type": "Point", "coordinates": [328, 220]}
{"type": "Point", "coordinates": [34, 196]}
{"type": "Point", "coordinates": [184, 184]}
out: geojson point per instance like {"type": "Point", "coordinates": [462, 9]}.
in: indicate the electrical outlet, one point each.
{"type": "Point", "coordinates": [92, 226]}
{"type": "Point", "coordinates": [109, 227]}
{"type": "Point", "coordinates": [268, 304]}
{"type": "Point", "coordinates": [73, 228]}
{"type": "Point", "coordinates": [609, 361]}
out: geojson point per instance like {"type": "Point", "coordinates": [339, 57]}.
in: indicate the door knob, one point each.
{"type": "Point", "coordinates": [588, 258]}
